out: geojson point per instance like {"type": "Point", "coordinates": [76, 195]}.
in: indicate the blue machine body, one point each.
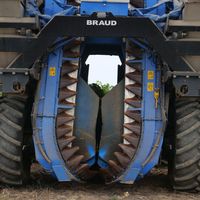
{"type": "Point", "coordinates": [159, 11]}
{"type": "Point", "coordinates": [52, 7]}
{"type": "Point", "coordinates": [152, 123]}
{"type": "Point", "coordinates": [45, 123]}
{"type": "Point", "coordinates": [44, 133]}
{"type": "Point", "coordinates": [117, 9]}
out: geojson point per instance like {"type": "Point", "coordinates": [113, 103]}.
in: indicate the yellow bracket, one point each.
{"type": "Point", "coordinates": [156, 96]}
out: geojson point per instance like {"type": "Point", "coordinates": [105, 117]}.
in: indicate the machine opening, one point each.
{"type": "Point", "coordinates": [103, 69]}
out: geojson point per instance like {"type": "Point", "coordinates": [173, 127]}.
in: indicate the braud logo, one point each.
{"type": "Point", "coordinates": [101, 23]}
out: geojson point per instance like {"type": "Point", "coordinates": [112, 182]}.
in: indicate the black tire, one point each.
{"type": "Point", "coordinates": [14, 167]}
{"type": "Point", "coordinates": [186, 147]}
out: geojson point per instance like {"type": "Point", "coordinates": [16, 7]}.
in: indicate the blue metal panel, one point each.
{"type": "Point", "coordinates": [118, 9]}
{"type": "Point", "coordinates": [154, 161]}
{"type": "Point", "coordinates": [51, 8]}
{"type": "Point", "coordinates": [160, 11]}
{"type": "Point", "coordinates": [45, 162]}
{"type": "Point", "coordinates": [152, 124]}
{"type": "Point", "coordinates": [159, 134]}
{"type": "Point", "coordinates": [45, 122]}
{"type": "Point", "coordinates": [47, 113]}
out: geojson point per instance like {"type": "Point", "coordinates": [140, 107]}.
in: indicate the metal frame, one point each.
{"type": "Point", "coordinates": [171, 51]}
{"type": "Point", "coordinates": [183, 25]}
{"type": "Point", "coordinates": [31, 48]}
{"type": "Point", "coordinates": [44, 116]}
{"type": "Point", "coordinates": [44, 120]}
{"type": "Point", "coordinates": [153, 125]}
{"type": "Point", "coordinates": [19, 22]}
{"type": "Point", "coordinates": [119, 8]}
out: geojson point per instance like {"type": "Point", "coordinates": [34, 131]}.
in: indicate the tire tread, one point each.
{"type": "Point", "coordinates": [186, 169]}
{"type": "Point", "coordinates": [12, 109]}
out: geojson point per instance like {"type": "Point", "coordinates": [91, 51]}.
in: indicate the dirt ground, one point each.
{"type": "Point", "coordinates": [43, 187]}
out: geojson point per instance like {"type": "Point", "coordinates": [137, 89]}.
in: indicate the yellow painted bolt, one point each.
{"type": "Point", "coordinates": [156, 96]}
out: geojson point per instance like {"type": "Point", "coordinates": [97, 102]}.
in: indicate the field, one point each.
{"type": "Point", "coordinates": [44, 187]}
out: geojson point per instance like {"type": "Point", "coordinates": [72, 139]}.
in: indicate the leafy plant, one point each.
{"type": "Point", "coordinates": [100, 88]}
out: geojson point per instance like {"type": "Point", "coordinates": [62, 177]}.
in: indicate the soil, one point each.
{"type": "Point", "coordinates": [154, 186]}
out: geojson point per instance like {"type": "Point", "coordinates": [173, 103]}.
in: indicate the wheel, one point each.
{"type": "Point", "coordinates": [14, 162]}
{"type": "Point", "coordinates": [186, 146]}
